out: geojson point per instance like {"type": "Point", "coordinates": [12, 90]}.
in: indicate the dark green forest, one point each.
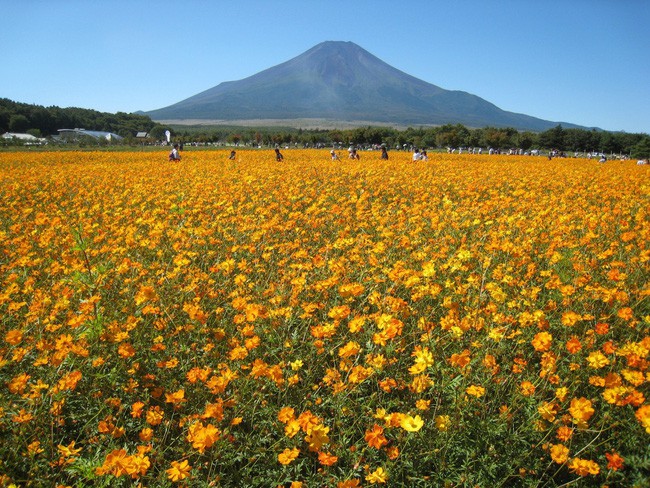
{"type": "Point", "coordinates": [45, 121]}
{"type": "Point", "coordinates": [42, 121]}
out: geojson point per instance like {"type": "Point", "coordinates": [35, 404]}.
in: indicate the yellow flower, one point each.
{"type": "Point", "coordinates": [296, 365]}
{"type": "Point", "coordinates": [317, 437]}
{"type": "Point", "coordinates": [477, 391]}
{"type": "Point", "coordinates": [377, 476]}
{"type": "Point", "coordinates": [422, 404]}
{"type": "Point", "coordinates": [597, 360]}
{"type": "Point", "coordinates": [442, 422]}
{"type": "Point", "coordinates": [411, 424]}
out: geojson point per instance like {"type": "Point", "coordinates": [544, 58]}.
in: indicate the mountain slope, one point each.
{"type": "Point", "coordinates": [340, 81]}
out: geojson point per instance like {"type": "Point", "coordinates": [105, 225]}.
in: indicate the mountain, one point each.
{"type": "Point", "coordinates": [340, 81]}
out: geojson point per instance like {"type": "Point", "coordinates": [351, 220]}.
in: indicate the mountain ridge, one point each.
{"type": "Point", "coordinates": [340, 81]}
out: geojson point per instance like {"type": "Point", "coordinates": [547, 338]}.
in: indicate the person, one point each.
{"type": "Point", "coordinates": [416, 155]}
{"type": "Point", "coordinates": [335, 157]}
{"type": "Point", "coordinates": [423, 156]}
{"type": "Point", "coordinates": [384, 153]}
{"type": "Point", "coordinates": [232, 155]}
{"type": "Point", "coordinates": [278, 155]}
{"type": "Point", "coordinates": [602, 159]}
{"type": "Point", "coordinates": [642, 162]}
{"type": "Point", "coordinates": [174, 154]}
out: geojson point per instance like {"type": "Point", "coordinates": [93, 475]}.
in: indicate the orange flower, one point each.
{"type": "Point", "coordinates": [601, 328]}
{"type": "Point", "coordinates": [375, 437]}
{"type": "Point", "coordinates": [175, 398]}
{"type": "Point", "coordinates": [559, 453]}
{"type": "Point", "coordinates": [583, 467]}
{"type": "Point", "coordinates": [179, 470]}
{"type": "Point", "coordinates": [527, 388]}
{"type": "Point", "coordinates": [474, 390]}
{"type": "Point", "coordinates": [339, 313]}
{"type": "Point", "coordinates": [564, 433]}
{"type": "Point", "coordinates": [154, 415]}
{"type": "Point", "coordinates": [350, 349]}
{"type": "Point", "coordinates": [355, 483]}
{"type": "Point", "coordinates": [581, 410]}
{"type": "Point", "coordinates": [13, 337]}
{"type": "Point", "coordinates": [202, 436]}
{"type": "Point", "coordinates": [327, 459]}
{"type": "Point", "coordinates": [625, 313]}
{"type": "Point", "coordinates": [288, 456]}
{"type": "Point", "coordinates": [145, 294]}
{"type": "Point", "coordinates": [643, 416]}
{"type": "Point", "coordinates": [285, 414]}
{"type": "Point", "coordinates": [136, 409]}
{"type": "Point", "coordinates": [542, 341]}
{"type": "Point", "coordinates": [548, 411]}
{"type": "Point", "coordinates": [573, 345]}
{"type": "Point", "coordinates": [146, 434]}
{"type": "Point", "coordinates": [126, 350]}
{"type": "Point", "coordinates": [614, 461]}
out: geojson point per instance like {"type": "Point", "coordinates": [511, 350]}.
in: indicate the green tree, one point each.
{"type": "Point", "coordinates": [5, 115]}
{"type": "Point", "coordinates": [157, 133]}
{"type": "Point", "coordinates": [526, 140]}
{"type": "Point", "coordinates": [553, 138]}
{"type": "Point", "coordinates": [18, 123]}
{"type": "Point", "coordinates": [642, 149]}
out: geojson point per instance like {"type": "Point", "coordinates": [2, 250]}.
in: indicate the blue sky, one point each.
{"type": "Point", "coordinates": [580, 61]}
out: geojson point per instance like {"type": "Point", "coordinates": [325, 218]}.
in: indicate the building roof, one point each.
{"type": "Point", "coordinates": [97, 134]}
{"type": "Point", "coordinates": [22, 137]}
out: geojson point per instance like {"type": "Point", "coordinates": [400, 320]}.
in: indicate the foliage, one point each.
{"type": "Point", "coordinates": [642, 149]}
{"type": "Point", "coordinates": [572, 140]}
{"type": "Point", "coordinates": [469, 321]}
{"type": "Point", "coordinates": [19, 117]}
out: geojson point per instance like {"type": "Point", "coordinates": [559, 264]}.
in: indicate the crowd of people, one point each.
{"type": "Point", "coordinates": [421, 154]}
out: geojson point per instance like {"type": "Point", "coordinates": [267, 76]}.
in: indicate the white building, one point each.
{"type": "Point", "coordinates": [26, 138]}
{"type": "Point", "coordinates": [96, 134]}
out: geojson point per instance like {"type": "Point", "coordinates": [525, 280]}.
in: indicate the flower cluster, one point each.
{"type": "Point", "coordinates": [470, 320]}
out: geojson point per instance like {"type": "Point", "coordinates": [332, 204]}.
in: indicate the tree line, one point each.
{"type": "Point", "coordinates": [450, 135]}
{"type": "Point", "coordinates": [45, 121]}
{"type": "Point", "coordinates": [42, 121]}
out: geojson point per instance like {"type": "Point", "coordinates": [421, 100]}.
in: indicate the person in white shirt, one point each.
{"type": "Point", "coordinates": [175, 155]}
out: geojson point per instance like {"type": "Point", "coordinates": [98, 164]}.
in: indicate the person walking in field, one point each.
{"type": "Point", "coordinates": [278, 155]}
{"type": "Point", "coordinates": [174, 155]}
{"type": "Point", "coordinates": [384, 152]}
{"type": "Point", "coordinates": [335, 157]}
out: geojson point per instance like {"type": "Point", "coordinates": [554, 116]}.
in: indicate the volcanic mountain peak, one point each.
{"type": "Point", "coordinates": [340, 81]}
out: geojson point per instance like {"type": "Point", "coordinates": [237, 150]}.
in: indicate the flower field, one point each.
{"type": "Point", "coordinates": [466, 321]}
